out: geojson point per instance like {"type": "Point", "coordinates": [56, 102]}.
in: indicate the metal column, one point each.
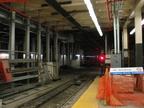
{"type": "Point", "coordinates": [125, 48]}
{"type": "Point", "coordinates": [12, 38]}
{"type": "Point", "coordinates": [27, 40]}
{"type": "Point", "coordinates": [48, 46]}
{"type": "Point", "coordinates": [59, 53]}
{"type": "Point", "coordinates": [75, 51]}
{"type": "Point", "coordinates": [51, 53]}
{"type": "Point", "coordinates": [33, 56]}
{"type": "Point", "coordinates": [68, 54]}
{"type": "Point", "coordinates": [56, 47]}
{"type": "Point", "coordinates": [39, 53]}
{"type": "Point", "coordinates": [72, 51]}
{"type": "Point", "coordinates": [63, 58]}
{"type": "Point", "coordinates": [115, 36]}
{"type": "Point", "coordinates": [118, 33]}
{"type": "Point", "coordinates": [56, 72]}
{"type": "Point", "coordinates": [138, 39]}
{"type": "Point", "coordinates": [39, 43]}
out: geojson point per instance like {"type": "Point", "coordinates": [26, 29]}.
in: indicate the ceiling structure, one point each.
{"type": "Point", "coordinates": [75, 17]}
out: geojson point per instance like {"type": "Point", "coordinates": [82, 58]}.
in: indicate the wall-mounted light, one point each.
{"type": "Point", "coordinates": [93, 16]}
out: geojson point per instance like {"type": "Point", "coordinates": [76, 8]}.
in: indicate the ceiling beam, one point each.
{"type": "Point", "coordinates": [65, 14]}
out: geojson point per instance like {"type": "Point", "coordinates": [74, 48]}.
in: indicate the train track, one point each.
{"type": "Point", "coordinates": [62, 94]}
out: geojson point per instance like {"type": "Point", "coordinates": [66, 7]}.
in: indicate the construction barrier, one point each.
{"type": "Point", "coordinates": [121, 90]}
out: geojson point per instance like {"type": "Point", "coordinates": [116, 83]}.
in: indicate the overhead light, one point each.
{"type": "Point", "coordinates": [142, 22]}
{"type": "Point", "coordinates": [93, 16]}
{"type": "Point", "coordinates": [132, 32]}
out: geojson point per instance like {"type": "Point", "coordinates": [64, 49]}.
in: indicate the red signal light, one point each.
{"type": "Point", "coordinates": [102, 58]}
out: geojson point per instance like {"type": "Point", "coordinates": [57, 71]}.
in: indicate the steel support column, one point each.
{"type": "Point", "coordinates": [115, 35]}
{"type": "Point", "coordinates": [72, 51]}
{"type": "Point", "coordinates": [56, 70]}
{"type": "Point", "coordinates": [56, 47]}
{"type": "Point", "coordinates": [33, 56]}
{"type": "Point", "coordinates": [138, 38]}
{"type": "Point", "coordinates": [39, 52]}
{"type": "Point", "coordinates": [12, 37]}
{"type": "Point", "coordinates": [27, 40]}
{"type": "Point", "coordinates": [48, 45]}
{"type": "Point", "coordinates": [64, 53]}
{"type": "Point", "coordinates": [51, 53]}
{"type": "Point", "coordinates": [39, 43]}
{"type": "Point", "coordinates": [75, 50]}
{"type": "Point", "coordinates": [59, 53]}
{"type": "Point", "coordinates": [125, 48]}
{"type": "Point", "coordinates": [68, 54]}
{"type": "Point", "coordinates": [118, 34]}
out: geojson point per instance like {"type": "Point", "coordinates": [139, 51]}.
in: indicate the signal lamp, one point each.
{"type": "Point", "coordinates": [101, 57]}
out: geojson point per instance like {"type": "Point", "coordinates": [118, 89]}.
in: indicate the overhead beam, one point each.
{"type": "Point", "coordinates": [65, 14]}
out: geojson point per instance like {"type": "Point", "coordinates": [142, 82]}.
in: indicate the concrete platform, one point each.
{"type": "Point", "coordinates": [88, 99]}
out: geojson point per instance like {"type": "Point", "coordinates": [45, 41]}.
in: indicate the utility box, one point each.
{"type": "Point", "coordinates": [115, 60]}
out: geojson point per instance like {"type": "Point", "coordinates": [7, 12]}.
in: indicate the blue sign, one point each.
{"type": "Point", "coordinates": [126, 71]}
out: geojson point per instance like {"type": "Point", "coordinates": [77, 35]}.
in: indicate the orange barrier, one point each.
{"type": "Point", "coordinates": [119, 90]}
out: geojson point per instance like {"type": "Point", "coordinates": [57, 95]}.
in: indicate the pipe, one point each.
{"type": "Point", "coordinates": [118, 37]}
{"type": "Point", "coordinates": [24, 7]}
{"type": "Point", "coordinates": [108, 14]}
{"type": "Point", "coordinates": [115, 37]}
{"type": "Point", "coordinates": [29, 17]}
{"type": "Point", "coordinates": [116, 0]}
{"type": "Point", "coordinates": [9, 1]}
{"type": "Point", "coordinates": [108, 30]}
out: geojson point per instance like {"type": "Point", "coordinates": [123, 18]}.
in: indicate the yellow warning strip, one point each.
{"type": "Point", "coordinates": [88, 99]}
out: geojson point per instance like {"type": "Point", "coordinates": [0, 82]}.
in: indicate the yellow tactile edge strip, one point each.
{"type": "Point", "coordinates": [88, 99]}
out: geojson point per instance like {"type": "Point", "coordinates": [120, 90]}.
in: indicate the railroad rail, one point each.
{"type": "Point", "coordinates": [70, 86]}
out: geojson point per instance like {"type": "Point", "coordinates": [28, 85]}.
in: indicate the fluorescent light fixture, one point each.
{"type": "Point", "coordinates": [142, 22]}
{"type": "Point", "coordinates": [77, 54]}
{"type": "Point", "coordinates": [132, 32]}
{"type": "Point", "coordinates": [4, 56]}
{"type": "Point", "coordinates": [93, 16]}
